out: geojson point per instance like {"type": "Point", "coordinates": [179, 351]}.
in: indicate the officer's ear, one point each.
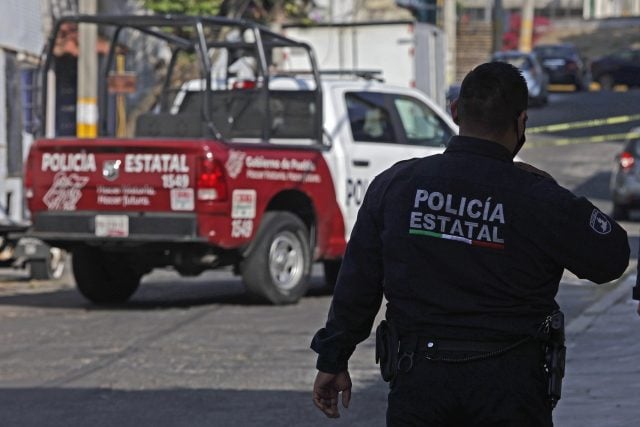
{"type": "Point", "coordinates": [521, 121]}
{"type": "Point", "coordinates": [454, 112]}
{"type": "Point", "coordinates": [521, 116]}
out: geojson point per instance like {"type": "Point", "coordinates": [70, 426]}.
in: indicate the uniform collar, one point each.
{"type": "Point", "coordinates": [483, 147]}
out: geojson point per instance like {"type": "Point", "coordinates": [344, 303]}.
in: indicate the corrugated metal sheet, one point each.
{"type": "Point", "coordinates": [21, 25]}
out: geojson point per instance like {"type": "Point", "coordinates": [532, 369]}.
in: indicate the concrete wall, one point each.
{"type": "Point", "coordinates": [21, 25]}
{"type": "Point", "coordinates": [21, 44]}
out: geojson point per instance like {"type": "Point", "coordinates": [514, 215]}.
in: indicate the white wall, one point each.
{"type": "Point", "coordinates": [611, 8]}
{"type": "Point", "coordinates": [3, 138]}
{"type": "Point", "coordinates": [21, 25]}
{"type": "Point", "coordinates": [335, 10]}
{"type": "Point", "coordinates": [21, 30]}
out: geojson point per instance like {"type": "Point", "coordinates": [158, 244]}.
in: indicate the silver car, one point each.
{"type": "Point", "coordinates": [535, 76]}
{"type": "Point", "coordinates": [625, 178]}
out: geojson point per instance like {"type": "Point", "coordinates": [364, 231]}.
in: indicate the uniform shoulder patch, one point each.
{"type": "Point", "coordinates": [599, 222]}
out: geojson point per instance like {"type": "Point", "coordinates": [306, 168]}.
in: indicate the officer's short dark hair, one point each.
{"type": "Point", "coordinates": [492, 96]}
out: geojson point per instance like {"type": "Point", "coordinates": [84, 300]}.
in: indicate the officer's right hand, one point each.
{"type": "Point", "coordinates": [326, 389]}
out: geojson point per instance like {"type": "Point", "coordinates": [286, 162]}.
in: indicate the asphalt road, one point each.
{"type": "Point", "coordinates": [567, 107]}
{"type": "Point", "coordinates": [584, 168]}
{"type": "Point", "coordinates": [196, 352]}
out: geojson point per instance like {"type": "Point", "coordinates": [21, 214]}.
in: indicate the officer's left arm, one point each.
{"type": "Point", "coordinates": [358, 292]}
{"type": "Point", "coordinates": [582, 238]}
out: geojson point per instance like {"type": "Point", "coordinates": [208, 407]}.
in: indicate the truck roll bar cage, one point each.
{"type": "Point", "coordinates": [152, 25]}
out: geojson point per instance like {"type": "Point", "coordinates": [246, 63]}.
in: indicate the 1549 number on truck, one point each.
{"type": "Point", "coordinates": [171, 180]}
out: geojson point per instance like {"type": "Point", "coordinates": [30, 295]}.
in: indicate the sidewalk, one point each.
{"type": "Point", "coordinates": [602, 382]}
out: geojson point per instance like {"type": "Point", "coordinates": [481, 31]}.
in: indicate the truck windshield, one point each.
{"type": "Point", "coordinates": [187, 77]}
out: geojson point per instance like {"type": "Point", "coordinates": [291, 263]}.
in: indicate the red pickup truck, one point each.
{"type": "Point", "coordinates": [244, 156]}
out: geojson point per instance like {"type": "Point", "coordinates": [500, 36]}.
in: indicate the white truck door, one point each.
{"type": "Point", "coordinates": [370, 146]}
{"type": "Point", "coordinates": [384, 128]}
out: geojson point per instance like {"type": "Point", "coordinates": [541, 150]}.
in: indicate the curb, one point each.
{"type": "Point", "coordinates": [591, 313]}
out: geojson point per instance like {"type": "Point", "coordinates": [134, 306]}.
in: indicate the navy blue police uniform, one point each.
{"type": "Point", "coordinates": [465, 247]}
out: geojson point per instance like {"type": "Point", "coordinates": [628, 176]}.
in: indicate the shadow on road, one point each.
{"type": "Point", "coordinates": [153, 295]}
{"type": "Point", "coordinates": [65, 407]}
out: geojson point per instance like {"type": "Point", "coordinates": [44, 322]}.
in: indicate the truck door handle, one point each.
{"type": "Point", "coordinates": [361, 163]}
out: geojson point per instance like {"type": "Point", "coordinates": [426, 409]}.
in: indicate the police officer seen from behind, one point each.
{"type": "Point", "coordinates": [468, 248]}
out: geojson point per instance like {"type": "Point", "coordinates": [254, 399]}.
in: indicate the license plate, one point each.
{"type": "Point", "coordinates": [554, 63]}
{"type": "Point", "coordinates": [112, 225]}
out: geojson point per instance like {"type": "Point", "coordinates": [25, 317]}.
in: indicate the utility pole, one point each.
{"type": "Point", "coordinates": [450, 21]}
{"type": "Point", "coordinates": [497, 21]}
{"type": "Point", "coordinates": [526, 26]}
{"type": "Point", "coordinates": [87, 104]}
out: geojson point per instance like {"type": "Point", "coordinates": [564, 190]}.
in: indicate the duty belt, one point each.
{"type": "Point", "coordinates": [468, 351]}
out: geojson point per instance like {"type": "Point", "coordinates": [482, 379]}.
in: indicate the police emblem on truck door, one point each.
{"type": "Point", "coordinates": [235, 162]}
{"type": "Point", "coordinates": [65, 192]}
{"type": "Point", "coordinates": [111, 169]}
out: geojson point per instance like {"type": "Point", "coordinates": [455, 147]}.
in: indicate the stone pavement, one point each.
{"type": "Point", "coordinates": [602, 382]}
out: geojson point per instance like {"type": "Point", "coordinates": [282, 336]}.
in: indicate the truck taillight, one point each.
{"type": "Point", "coordinates": [244, 84]}
{"type": "Point", "coordinates": [28, 176]}
{"type": "Point", "coordinates": [212, 185]}
{"type": "Point", "coordinates": [627, 160]}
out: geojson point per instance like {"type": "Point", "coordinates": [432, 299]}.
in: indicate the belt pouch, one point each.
{"type": "Point", "coordinates": [387, 342]}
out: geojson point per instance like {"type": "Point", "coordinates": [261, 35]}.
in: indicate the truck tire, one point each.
{"type": "Point", "coordinates": [277, 267]}
{"type": "Point", "coordinates": [103, 277]}
{"type": "Point", "coordinates": [50, 268]}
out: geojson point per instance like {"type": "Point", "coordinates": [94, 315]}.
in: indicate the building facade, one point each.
{"type": "Point", "coordinates": [20, 47]}
{"type": "Point", "coordinates": [611, 8]}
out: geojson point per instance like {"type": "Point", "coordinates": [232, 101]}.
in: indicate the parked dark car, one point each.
{"type": "Point", "coordinates": [622, 67]}
{"type": "Point", "coordinates": [625, 177]}
{"type": "Point", "coordinates": [532, 72]}
{"type": "Point", "coordinates": [563, 64]}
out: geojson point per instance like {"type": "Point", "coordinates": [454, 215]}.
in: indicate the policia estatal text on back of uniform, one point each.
{"type": "Point", "coordinates": [468, 248]}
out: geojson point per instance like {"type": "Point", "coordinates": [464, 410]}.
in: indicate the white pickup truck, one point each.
{"type": "Point", "coordinates": [264, 172]}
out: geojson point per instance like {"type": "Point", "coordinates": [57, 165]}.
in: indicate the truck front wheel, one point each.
{"type": "Point", "coordinates": [103, 277]}
{"type": "Point", "coordinates": [278, 265]}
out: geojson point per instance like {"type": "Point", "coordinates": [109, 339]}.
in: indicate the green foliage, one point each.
{"type": "Point", "coordinates": [184, 7]}
{"type": "Point", "coordinates": [257, 10]}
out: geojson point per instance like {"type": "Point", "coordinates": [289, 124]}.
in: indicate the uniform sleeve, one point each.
{"type": "Point", "coordinates": [579, 236]}
{"type": "Point", "coordinates": [357, 296]}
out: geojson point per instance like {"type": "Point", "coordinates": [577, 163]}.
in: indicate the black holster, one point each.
{"type": "Point", "coordinates": [387, 343]}
{"type": "Point", "coordinates": [555, 355]}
